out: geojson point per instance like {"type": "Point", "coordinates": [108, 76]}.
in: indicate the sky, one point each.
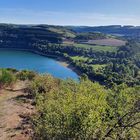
{"type": "Point", "coordinates": [71, 12]}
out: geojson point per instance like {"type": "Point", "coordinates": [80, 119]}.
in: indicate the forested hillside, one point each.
{"type": "Point", "coordinates": [106, 64]}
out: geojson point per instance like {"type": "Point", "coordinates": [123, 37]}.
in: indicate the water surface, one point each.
{"type": "Point", "coordinates": [21, 60]}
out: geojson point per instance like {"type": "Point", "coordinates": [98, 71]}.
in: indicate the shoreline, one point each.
{"type": "Point", "coordinates": [65, 63]}
{"type": "Point", "coordinates": [62, 61]}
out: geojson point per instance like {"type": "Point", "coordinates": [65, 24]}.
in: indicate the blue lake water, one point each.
{"type": "Point", "coordinates": [21, 60]}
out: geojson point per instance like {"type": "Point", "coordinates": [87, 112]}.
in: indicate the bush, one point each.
{"type": "Point", "coordinates": [71, 113]}
{"type": "Point", "coordinates": [26, 75]}
{"type": "Point", "coordinates": [6, 78]}
{"type": "Point", "coordinates": [85, 110]}
{"type": "Point", "coordinates": [42, 84]}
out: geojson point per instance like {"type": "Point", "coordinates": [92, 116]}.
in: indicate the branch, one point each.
{"type": "Point", "coordinates": [115, 125]}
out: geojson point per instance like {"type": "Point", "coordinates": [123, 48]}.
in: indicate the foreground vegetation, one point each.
{"type": "Point", "coordinates": [85, 110]}
{"type": "Point", "coordinates": [8, 77]}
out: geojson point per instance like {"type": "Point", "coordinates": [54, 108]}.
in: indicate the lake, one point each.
{"type": "Point", "coordinates": [21, 60]}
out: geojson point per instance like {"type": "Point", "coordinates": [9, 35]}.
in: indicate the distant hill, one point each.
{"type": "Point", "coordinates": [19, 35]}
{"type": "Point", "coordinates": [113, 29]}
{"type": "Point", "coordinates": [25, 36]}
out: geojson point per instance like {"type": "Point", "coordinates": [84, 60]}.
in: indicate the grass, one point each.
{"type": "Point", "coordinates": [98, 66]}
{"type": "Point", "coordinates": [62, 31]}
{"type": "Point", "coordinates": [97, 48]}
{"type": "Point", "coordinates": [80, 58]}
{"type": "Point", "coordinates": [84, 59]}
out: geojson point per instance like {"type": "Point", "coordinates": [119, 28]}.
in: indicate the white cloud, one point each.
{"type": "Point", "coordinates": [23, 16]}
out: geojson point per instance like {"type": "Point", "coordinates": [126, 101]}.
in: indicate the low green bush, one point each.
{"type": "Point", "coordinates": [7, 78]}
{"type": "Point", "coordinates": [85, 110]}
{"type": "Point", "coordinates": [26, 75]}
{"type": "Point", "coordinates": [42, 84]}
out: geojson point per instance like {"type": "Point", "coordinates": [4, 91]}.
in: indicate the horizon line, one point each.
{"type": "Point", "coordinates": [34, 24]}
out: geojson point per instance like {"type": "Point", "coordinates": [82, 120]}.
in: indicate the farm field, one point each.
{"type": "Point", "coordinates": [108, 42]}
{"type": "Point", "coordinates": [80, 58]}
{"type": "Point", "coordinates": [98, 47]}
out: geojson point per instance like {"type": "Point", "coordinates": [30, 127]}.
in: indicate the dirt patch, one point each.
{"type": "Point", "coordinates": [14, 114]}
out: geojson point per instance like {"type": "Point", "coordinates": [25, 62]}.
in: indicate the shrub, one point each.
{"type": "Point", "coordinates": [6, 78]}
{"type": "Point", "coordinates": [42, 84]}
{"type": "Point", "coordinates": [26, 75]}
{"type": "Point", "coordinates": [85, 110]}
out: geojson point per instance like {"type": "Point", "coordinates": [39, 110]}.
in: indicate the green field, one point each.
{"type": "Point", "coordinates": [84, 59]}
{"type": "Point", "coordinates": [98, 66]}
{"type": "Point", "coordinates": [80, 58]}
{"type": "Point", "coordinates": [62, 31]}
{"type": "Point", "coordinates": [97, 48]}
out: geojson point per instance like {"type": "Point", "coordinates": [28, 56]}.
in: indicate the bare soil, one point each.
{"type": "Point", "coordinates": [15, 110]}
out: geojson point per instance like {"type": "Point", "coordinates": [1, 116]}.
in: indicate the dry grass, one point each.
{"type": "Point", "coordinates": [108, 42]}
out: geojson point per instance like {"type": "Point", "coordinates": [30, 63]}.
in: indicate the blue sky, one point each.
{"type": "Point", "coordinates": [70, 12]}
